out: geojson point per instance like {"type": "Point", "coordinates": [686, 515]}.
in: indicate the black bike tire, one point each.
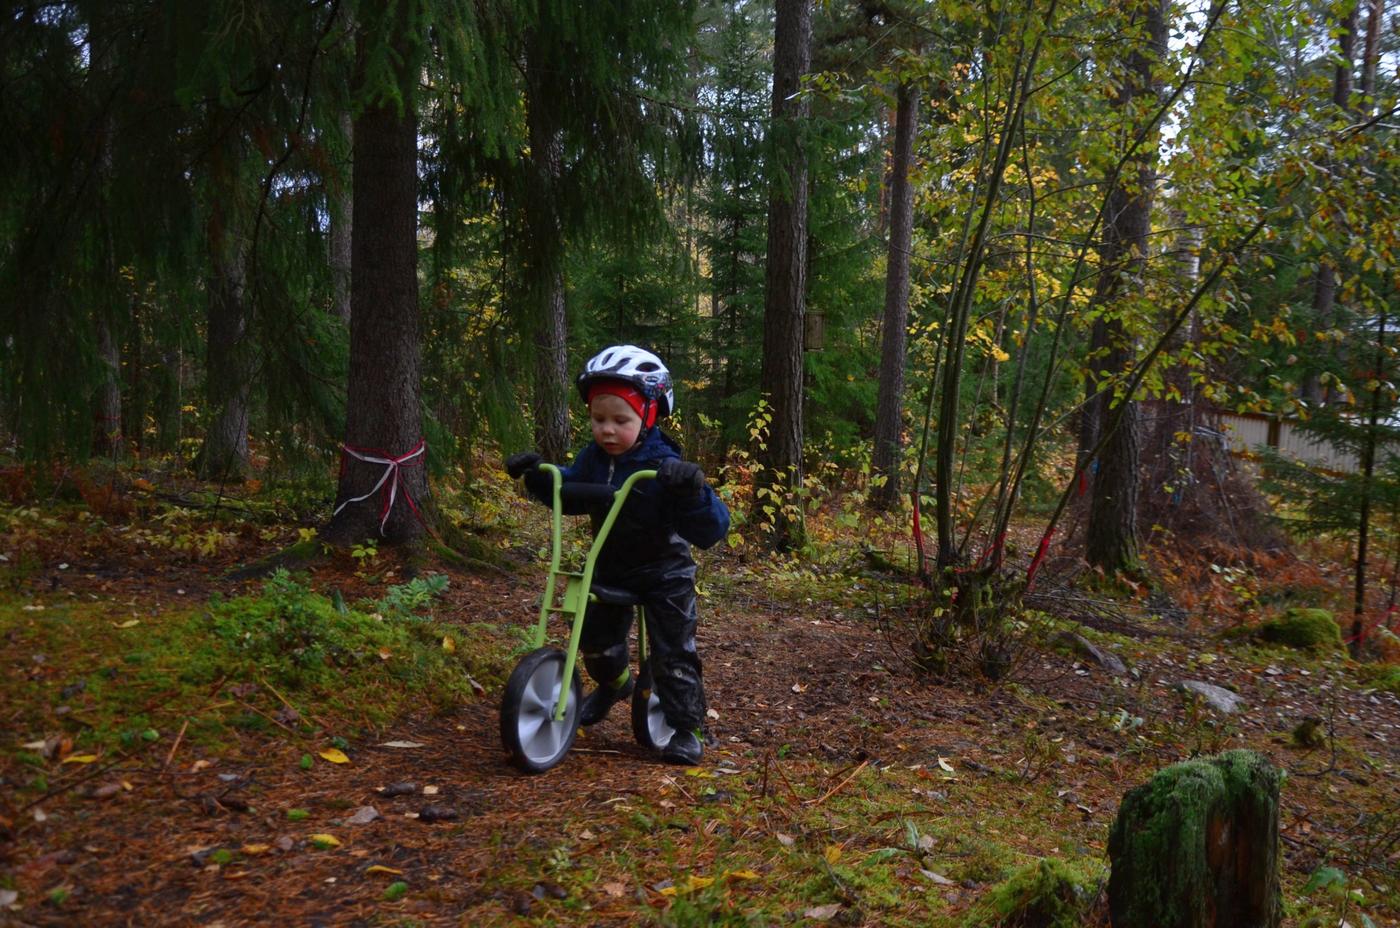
{"type": "Point", "coordinates": [534, 753]}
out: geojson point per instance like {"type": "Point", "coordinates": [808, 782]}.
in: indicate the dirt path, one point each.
{"type": "Point", "coordinates": [803, 698]}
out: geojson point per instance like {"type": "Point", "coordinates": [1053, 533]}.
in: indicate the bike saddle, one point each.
{"type": "Point", "coordinates": [613, 596]}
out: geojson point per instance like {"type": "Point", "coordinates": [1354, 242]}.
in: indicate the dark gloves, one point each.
{"type": "Point", "coordinates": [522, 462]}
{"type": "Point", "coordinates": [681, 478]}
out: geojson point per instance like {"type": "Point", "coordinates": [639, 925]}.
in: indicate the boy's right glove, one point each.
{"type": "Point", "coordinates": [518, 464]}
{"type": "Point", "coordinates": [681, 478]}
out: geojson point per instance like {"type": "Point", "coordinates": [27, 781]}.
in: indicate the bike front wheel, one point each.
{"type": "Point", "coordinates": [529, 731]}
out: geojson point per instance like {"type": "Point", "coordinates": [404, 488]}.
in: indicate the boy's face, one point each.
{"type": "Point", "coordinates": [615, 424]}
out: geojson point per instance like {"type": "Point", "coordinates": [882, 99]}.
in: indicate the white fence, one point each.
{"type": "Point", "coordinates": [1248, 432]}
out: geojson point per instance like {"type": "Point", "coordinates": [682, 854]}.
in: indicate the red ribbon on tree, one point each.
{"type": "Point", "coordinates": [389, 480]}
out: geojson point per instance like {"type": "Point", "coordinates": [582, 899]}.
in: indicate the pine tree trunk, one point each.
{"type": "Point", "coordinates": [1112, 541]}
{"type": "Point", "coordinates": [1198, 847]}
{"type": "Point", "coordinates": [383, 411]}
{"type": "Point", "coordinates": [785, 288]}
{"type": "Point", "coordinates": [342, 232]}
{"type": "Point", "coordinates": [544, 266]}
{"type": "Point", "coordinates": [889, 405]}
{"type": "Point", "coordinates": [107, 415]}
{"type": "Point", "coordinates": [224, 455]}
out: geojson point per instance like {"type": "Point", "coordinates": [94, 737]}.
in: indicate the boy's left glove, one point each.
{"type": "Point", "coordinates": [681, 478]}
{"type": "Point", "coordinates": [520, 463]}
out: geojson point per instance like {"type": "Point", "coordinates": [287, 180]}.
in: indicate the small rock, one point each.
{"type": "Point", "coordinates": [106, 791]}
{"type": "Point", "coordinates": [200, 857]}
{"type": "Point", "coordinates": [1105, 659]}
{"type": "Point", "coordinates": [363, 816]}
{"type": "Point", "coordinates": [437, 813]}
{"type": "Point", "coordinates": [283, 843]}
{"type": "Point", "coordinates": [399, 789]}
{"type": "Point", "coordinates": [1217, 697]}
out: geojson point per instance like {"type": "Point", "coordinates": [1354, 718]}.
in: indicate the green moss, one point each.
{"type": "Point", "coordinates": [294, 557]}
{"type": "Point", "coordinates": [1158, 844]}
{"type": "Point", "coordinates": [1050, 893]}
{"type": "Point", "coordinates": [1310, 629]}
{"type": "Point", "coordinates": [359, 665]}
{"type": "Point", "coordinates": [1383, 677]}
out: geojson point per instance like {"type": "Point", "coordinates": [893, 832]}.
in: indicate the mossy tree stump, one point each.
{"type": "Point", "coordinates": [1197, 847]}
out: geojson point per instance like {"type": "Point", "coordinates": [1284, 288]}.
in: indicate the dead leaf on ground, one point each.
{"type": "Point", "coordinates": [823, 912]}
{"type": "Point", "coordinates": [335, 756]}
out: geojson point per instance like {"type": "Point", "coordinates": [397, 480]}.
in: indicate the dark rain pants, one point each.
{"type": "Point", "coordinates": [669, 601]}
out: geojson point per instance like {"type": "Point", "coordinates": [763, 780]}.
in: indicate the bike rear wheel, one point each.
{"type": "Point", "coordinates": [649, 725]}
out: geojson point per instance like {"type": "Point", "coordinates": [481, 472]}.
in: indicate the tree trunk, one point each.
{"type": "Point", "coordinates": [1370, 53]}
{"type": "Point", "coordinates": [1325, 283]}
{"type": "Point", "coordinates": [1197, 847]}
{"type": "Point", "coordinates": [342, 231]}
{"type": "Point", "coordinates": [107, 414]}
{"type": "Point", "coordinates": [889, 406]}
{"type": "Point", "coordinates": [383, 411]}
{"type": "Point", "coordinates": [544, 265]}
{"type": "Point", "coordinates": [786, 280]}
{"type": "Point", "coordinates": [1112, 541]}
{"type": "Point", "coordinates": [224, 455]}
{"type": "Point", "coordinates": [108, 425]}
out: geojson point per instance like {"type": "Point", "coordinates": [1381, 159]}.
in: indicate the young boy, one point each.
{"type": "Point", "coordinates": [627, 390]}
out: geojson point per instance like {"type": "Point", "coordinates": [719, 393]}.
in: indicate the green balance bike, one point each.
{"type": "Point", "coordinates": [539, 711]}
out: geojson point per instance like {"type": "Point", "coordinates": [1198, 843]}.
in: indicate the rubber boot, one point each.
{"type": "Point", "coordinates": [685, 748]}
{"type": "Point", "coordinates": [596, 704]}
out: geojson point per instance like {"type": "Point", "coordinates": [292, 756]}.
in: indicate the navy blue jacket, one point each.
{"type": "Point", "coordinates": [655, 528]}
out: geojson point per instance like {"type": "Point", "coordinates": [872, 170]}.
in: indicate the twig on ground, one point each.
{"type": "Point", "coordinates": [839, 786]}
{"type": "Point", "coordinates": [176, 746]}
{"type": "Point", "coordinates": [286, 702]}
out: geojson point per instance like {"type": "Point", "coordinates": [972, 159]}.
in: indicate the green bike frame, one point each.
{"type": "Point", "coordinates": [576, 596]}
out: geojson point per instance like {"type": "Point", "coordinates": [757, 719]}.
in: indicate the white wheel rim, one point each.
{"type": "Point", "coordinates": [541, 738]}
{"type": "Point", "coordinates": [658, 729]}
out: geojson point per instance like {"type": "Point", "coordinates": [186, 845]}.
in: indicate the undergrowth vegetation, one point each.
{"type": "Point", "coordinates": [113, 682]}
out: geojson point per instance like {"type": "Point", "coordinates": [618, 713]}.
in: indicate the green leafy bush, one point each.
{"type": "Point", "coordinates": [1303, 628]}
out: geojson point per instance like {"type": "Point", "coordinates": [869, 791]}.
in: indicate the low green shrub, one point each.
{"type": "Point", "coordinates": [293, 637]}
{"type": "Point", "coordinates": [1050, 893]}
{"type": "Point", "coordinates": [1383, 677]}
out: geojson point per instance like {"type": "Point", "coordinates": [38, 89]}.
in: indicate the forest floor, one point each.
{"type": "Point", "coordinates": [841, 785]}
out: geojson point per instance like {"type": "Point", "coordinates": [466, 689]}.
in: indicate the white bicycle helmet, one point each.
{"type": "Point", "coordinates": [633, 365]}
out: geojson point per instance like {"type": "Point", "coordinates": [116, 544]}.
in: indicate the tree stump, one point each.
{"type": "Point", "coordinates": [1197, 847]}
